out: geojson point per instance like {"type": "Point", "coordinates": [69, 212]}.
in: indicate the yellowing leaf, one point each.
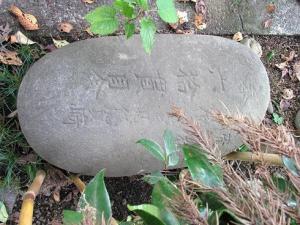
{"type": "Point", "coordinates": [60, 43]}
{"type": "Point", "coordinates": [20, 38]}
{"type": "Point", "coordinates": [10, 58]}
{"type": "Point", "coordinates": [28, 21]}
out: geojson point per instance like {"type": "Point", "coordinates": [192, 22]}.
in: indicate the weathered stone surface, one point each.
{"type": "Point", "coordinates": [84, 106]}
{"type": "Point", "coordinates": [224, 16]}
{"type": "Point", "coordinates": [297, 121]}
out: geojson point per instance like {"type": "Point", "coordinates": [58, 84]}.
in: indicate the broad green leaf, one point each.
{"type": "Point", "coordinates": [72, 217]}
{"type": "Point", "coordinates": [200, 168]}
{"type": "Point", "coordinates": [149, 213]}
{"type": "Point", "coordinates": [148, 30]}
{"type": "Point", "coordinates": [167, 10]}
{"type": "Point", "coordinates": [129, 29]}
{"type": "Point", "coordinates": [3, 213]}
{"type": "Point", "coordinates": [153, 178]}
{"type": "Point", "coordinates": [103, 20]}
{"type": "Point", "coordinates": [153, 148]}
{"type": "Point", "coordinates": [163, 190]}
{"type": "Point", "coordinates": [124, 7]}
{"type": "Point", "coordinates": [280, 182]}
{"type": "Point", "coordinates": [143, 4]}
{"type": "Point", "coordinates": [170, 146]}
{"type": "Point", "coordinates": [290, 165]}
{"type": "Point", "coordinates": [211, 200]}
{"type": "Point", "coordinates": [96, 196]}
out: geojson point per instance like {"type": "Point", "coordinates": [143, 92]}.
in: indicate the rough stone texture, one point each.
{"type": "Point", "coordinates": [224, 16]}
{"type": "Point", "coordinates": [84, 106]}
{"type": "Point", "coordinates": [297, 121]}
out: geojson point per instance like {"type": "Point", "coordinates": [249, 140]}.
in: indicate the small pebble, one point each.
{"type": "Point", "coordinates": [297, 121]}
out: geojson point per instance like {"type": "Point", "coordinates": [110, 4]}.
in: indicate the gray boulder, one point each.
{"type": "Point", "coordinates": [83, 107]}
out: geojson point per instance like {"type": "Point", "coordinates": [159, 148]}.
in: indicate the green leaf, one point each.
{"type": "Point", "coordinates": [290, 165]}
{"type": "Point", "coordinates": [96, 196]}
{"type": "Point", "coordinates": [243, 148]}
{"type": "Point", "coordinates": [280, 182]}
{"type": "Point", "coordinates": [270, 55]}
{"type": "Point", "coordinates": [103, 20]}
{"type": "Point", "coordinates": [277, 119]}
{"type": "Point", "coordinates": [3, 213]}
{"type": "Point", "coordinates": [167, 11]}
{"type": "Point", "coordinates": [125, 8]}
{"type": "Point", "coordinates": [200, 168]}
{"type": "Point", "coordinates": [72, 217]}
{"type": "Point", "coordinates": [148, 30]}
{"type": "Point", "coordinates": [149, 213]}
{"type": "Point", "coordinates": [153, 148]}
{"type": "Point", "coordinates": [170, 146]}
{"type": "Point", "coordinates": [153, 178]}
{"type": "Point", "coordinates": [143, 4]}
{"type": "Point", "coordinates": [163, 190]}
{"type": "Point", "coordinates": [129, 29]}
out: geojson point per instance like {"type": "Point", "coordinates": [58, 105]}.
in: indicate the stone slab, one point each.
{"type": "Point", "coordinates": [224, 16]}
{"type": "Point", "coordinates": [83, 107]}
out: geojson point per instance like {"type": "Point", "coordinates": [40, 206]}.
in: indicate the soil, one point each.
{"type": "Point", "coordinates": [133, 190]}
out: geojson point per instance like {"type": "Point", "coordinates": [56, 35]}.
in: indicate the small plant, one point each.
{"type": "Point", "coordinates": [106, 19]}
{"type": "Point", "coordinates": [210, 191]}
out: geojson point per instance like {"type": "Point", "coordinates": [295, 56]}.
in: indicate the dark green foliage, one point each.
{"type": "Point", "coordinates": [12, 142]}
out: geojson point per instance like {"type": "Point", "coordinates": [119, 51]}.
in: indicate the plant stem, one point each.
{"type": "Point", "coordinates": [78, 182]}
{"type": "Point", "coordinates": [271, 159]}
{"type": "Point", "coordinates": [29, 197]}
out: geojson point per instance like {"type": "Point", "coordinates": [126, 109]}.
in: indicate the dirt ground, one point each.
{"type": "Point", "coordinates": [132, 190]}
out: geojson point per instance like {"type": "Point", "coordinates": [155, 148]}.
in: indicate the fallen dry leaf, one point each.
{"type": "Point", "coordinates": [289, 58]}
{"type": "Point", "coordinates": [271, 8]}
{"type": "Point", "coordinates": [56, 195]}
{"type": "Point", "coordinates": [60, 43]}
{"type": "Point", "coordinates": [237, 36]}
{"type": "Point", "coordinates": [267, 23]}
{"type": "Point", "coordinates": [284, 105]}
{"type": "Point", "coordinates": [4, 32]}
{"type": "Point", "coordinates": [65, 27]}
{"type": "Point", "coordinates": [10, 58]}
{"type": "Point", "coordinates": [199, 22]}
{"type": "Point", "coordinates": [282, 65]}
{"type": "Point", "coordinates": [28, 21]}
{"type": "Point", "coordinates": [20, 38]}
{"type": "Point", "coordinates": [54, 181]}
{"type": "Point", "coordinates": [183, 17]}
{"type": "Point", "coordinates": [88, 1]}
{"type": "Point", "coordinates": [12, 114]}
{"type": "Point", "coordinates": [29, 158]}
{"type": "Point", "coordinates": [88, 30]}
{"type": "Point", "coordinates": [296, 68]}
{"type": "Point", "coordinates": [288, 94]}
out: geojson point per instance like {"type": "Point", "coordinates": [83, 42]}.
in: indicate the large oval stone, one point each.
{"type": "Point", "coordinates": [83, 107]}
